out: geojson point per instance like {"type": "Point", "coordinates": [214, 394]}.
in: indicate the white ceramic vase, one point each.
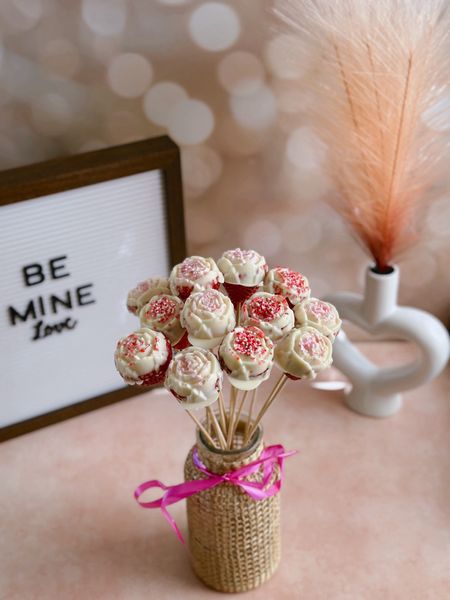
{"type": "Point", "coordinates": [375, 390]}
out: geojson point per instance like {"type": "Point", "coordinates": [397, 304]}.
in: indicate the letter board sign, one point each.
{"type": "Point", "coordinates": [75, 235]}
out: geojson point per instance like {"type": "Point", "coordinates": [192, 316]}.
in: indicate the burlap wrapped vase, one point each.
{"type": "Point", "coordinates": [234, 540]}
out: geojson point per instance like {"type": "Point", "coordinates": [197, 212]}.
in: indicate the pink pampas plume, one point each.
{"type": "Point", "coordinates": [384, 66]}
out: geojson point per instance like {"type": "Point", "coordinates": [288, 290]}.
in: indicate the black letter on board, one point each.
{"type": "Point", "coordinates": [14, 314]}
{"type": "Point", "coordinates": [55, 300]}
{"type": "Point", "coordinates": [33, 274]}
{"type": "Point", "coordinates": [82, 295]}
{"type": "Point", "coordinates": [54, 268]}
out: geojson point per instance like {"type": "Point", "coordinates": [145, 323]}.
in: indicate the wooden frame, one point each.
{"type": "Point", "coordinates": [58, 175]}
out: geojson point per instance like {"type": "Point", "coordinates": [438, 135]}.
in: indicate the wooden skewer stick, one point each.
{"type": "Point", "coordinates": [274, 393]}
{"type": "Point", "coordinates": [223, 417]}
{"type": "Point", "coordinates": [228, 408]}
{"type": "Point", "coordinates": [250, 412]}
{"type": "Point", "coordinates": [238, 414]}
{"type": "Point", "coordinates": [271, 393]}
{"type": "Point", "coordinates": [203, 430]}
{"type": "Point", "coordinates": [234, 393]}
{"type": "Point", "coordinates": [217, 429]}
{"type": "Point", "coordinates": [267, 404]}
{"type": "Point", "coordinates": [231, 404]}
{"type": "Point", "coordinates": [208, 421]}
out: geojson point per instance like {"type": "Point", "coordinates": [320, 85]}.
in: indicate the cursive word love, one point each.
{"type": "Point", "coordinates": [41, 330]}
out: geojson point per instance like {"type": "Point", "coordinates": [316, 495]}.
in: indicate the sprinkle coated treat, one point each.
{"type": "Point", "coordinates": [321, 315]}
{"type": "Point", "coordinates": [194, 274]}
{"type": "Point", "coordinates": [143, 357]}
{"type": "Point", "coordinates": [242, 267]}
{"type": "Point", "coordinates": [261, 318]}
{"type": "Point", "coordinates": [288, 283]}
{"type": "Point", "coordinates": [162, 313]}
{"type": "Point", "coordinates": [144, 290]}
{"type": "Point", "coordinates": [208, 316]}
{"type": "Point", "coordinates": [194, 377]}
{"type": "Point", "coordinates": [303, 353]}
{"type": "Point", "coordinates": [246, 355]}
{"type": "Point", "coordinates": [269, 312]}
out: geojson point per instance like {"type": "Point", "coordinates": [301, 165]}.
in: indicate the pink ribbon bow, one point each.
{"type": "Point", "coordinates": [258, 490]}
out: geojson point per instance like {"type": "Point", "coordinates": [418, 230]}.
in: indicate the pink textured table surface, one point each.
{"type": "Point", "coordinates": [366, 503]}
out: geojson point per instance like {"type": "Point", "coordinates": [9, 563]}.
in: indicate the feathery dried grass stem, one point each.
{"type": "Point", "coordinates": [384, 66]}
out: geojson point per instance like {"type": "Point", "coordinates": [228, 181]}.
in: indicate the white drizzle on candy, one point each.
{"type": "Point", "coordinates": [269, 312]}
{"type": "Point", "coordinates": [194, 377]}
{"type": "Point", "coordinates": [303, 353]}
{"type": "Point", "coordinates": [162, 313]}
{"type": "Point", "coordinates": [208, 316]}
{"type": "Point", "coordinates": [142, 357]}
{"type": "Point", "coordinates": [246, 355]}
{"type": "Point", "coordinates": [242, 267]}
{"type": "Point", "coordinates": [194, 274]}
{"type": "Point", "coordinates": [321, 315]}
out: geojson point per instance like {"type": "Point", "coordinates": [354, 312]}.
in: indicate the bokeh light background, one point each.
{"type": "Point", "coordinates": [78, 75]}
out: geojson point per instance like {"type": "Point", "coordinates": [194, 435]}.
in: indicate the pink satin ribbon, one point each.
{"type": "Point", "coordinates": [258, 490]}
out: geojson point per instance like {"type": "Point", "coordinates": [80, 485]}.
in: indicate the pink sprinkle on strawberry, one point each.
{"type": "Point", "coordinates": [267, 309]}
{"type": "Point", "coordinates": [161, 309]}
{"type": "Point", "coordinates": [313, 345]}
{"type": "Point", "coordinates": [211, 301]}
{"type": "Point", "coordinates": [142, 286]}
{"type": "Point", "coordinates": [239, 255]}
{"type": "Point", "coordinates": [155, 377]}
{"type": "Point", "coordinates": [293, 279]}
{"type": "Point", "coordinates": [320, 309]}
{"type": "Point", "coordinates": [133, 344]}
{"type": "Point", "coordinates": [193, 268]}
{"type": "Point", "coordinates": [249, 341]}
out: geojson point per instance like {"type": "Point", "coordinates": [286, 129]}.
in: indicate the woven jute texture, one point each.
{"type": "Point", "coordinates": [234, 540]}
